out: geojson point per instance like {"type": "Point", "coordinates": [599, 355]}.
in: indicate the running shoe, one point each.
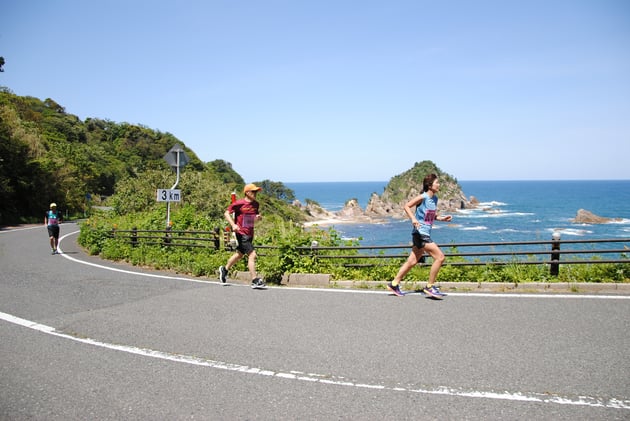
{"type": "Point", "coordinates": [433, 292]}
{"type": "Point", "coordinates": [223, 273]}
{"type": "Point", "coordinates": [395, 289]}
{"type": "Point", "coordinates": [437, 288]}
{"type": "Point", "coordinates": [258, 283]}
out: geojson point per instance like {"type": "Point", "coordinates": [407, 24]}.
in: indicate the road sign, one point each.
{"type": "Point", "coordinates": [169, 195]}
{"type": "Point", "coordinates": [176, 157]}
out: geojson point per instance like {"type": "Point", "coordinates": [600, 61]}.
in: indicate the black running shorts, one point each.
{"type": "Point", "coordinates": [53, 231]}
{"type": "Point", "coordinates": [419, 240]}
{"type": "Point", "coordinates": [245, 245]}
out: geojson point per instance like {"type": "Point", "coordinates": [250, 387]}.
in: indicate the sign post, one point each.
{"type": "Point", "coordinates": [176, 157]}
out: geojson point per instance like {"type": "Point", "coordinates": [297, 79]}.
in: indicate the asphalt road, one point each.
{"type": "Point", "coordinates": [81, 338]}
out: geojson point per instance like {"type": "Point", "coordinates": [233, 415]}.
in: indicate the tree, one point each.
{"type": "Point", "coordinates": [225, 171]}
{"type": "Point", "coordinates": [277, 190]}
{"type": "Point", "coordinates": [1, 64]}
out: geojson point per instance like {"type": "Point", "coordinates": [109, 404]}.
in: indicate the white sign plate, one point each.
{"type": "Point", "coordinates": [169, 195]}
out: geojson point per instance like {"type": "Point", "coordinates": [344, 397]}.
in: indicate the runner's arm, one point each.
{"type": "Point", "coordinates": [409, 211]}
{"type": "Point", "coordinates": [228, 217]}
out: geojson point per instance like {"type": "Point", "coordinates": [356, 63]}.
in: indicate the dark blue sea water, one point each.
{"type": "Point", "coordinates": [509, 211]}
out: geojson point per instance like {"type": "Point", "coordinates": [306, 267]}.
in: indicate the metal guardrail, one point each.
{"type": "Point", "coordinates": [381, 255]}
{"type": "Point", "coordinates": [493, 258]}
{"type": "Point", "coordinates": [170, 238]}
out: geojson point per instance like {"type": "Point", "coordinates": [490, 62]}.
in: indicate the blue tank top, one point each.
{"type": "Point", "coordinates": [425, 213]}
{"type": "Point", "coordinates": [53, 218]}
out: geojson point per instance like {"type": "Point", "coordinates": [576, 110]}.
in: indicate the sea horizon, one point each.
{"type": "Point", "coordinates": [499, 180]}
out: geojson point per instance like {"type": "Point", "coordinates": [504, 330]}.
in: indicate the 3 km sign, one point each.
{"type": "Point", "coordinates": [169, 195]}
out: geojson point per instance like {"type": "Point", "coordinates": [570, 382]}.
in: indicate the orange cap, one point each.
{"type": "Point", "coordinates": [251, 187]}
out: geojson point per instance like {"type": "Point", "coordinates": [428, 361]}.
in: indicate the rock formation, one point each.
{"type": "Point", "coordinates": [351, 209]}
{"type": "Point", "coordinates": [587, 217]}
{"type": "Point", "coordinates": [399, 191]}
{"type": "Point", "coordinates": [315, 212]}
{"type": "Point", "coordinates": [408, 185]}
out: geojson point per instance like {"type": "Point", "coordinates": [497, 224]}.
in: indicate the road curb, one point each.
{"type": "Point", "coordinates": [501, 287]}
{"type": "Point", "coordinates": [318, 280]}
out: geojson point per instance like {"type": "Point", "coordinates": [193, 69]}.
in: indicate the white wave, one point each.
{"type": "Point", "coordinates": [622, 221]}
{"type": "Point", "coordinates": [478, 228]}
{"type": "Point", "coordinates": [570, 231]}
{"type": "Point", "coordinates": [491, 204]}
{"type": "Point", "coordinates": [494, 214]}
{"type": "Point", "coordinates": [465, 211]}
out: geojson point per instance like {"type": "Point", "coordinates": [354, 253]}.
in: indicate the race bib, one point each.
{"type": "Point", "coordinates": [248, 220]}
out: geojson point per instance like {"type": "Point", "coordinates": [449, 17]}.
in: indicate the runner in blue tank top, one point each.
{"type": "Point", "coordinates": [422, 220]}
{"type": "Point", "coordinates": [51, 221]}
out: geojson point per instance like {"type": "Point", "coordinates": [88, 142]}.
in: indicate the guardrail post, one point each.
{"type": "Point", "coordinates": [217, 238]}
{"type": "Point", "coordinates": [134, 237]}
{"type": "Point", "coordinates": [314, 245]}
{"type": "Point", "coordinates": [167, 235]}
{"type": "Point", "coordinates": [554, 269]}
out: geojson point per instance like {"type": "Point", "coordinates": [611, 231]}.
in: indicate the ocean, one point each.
{"type": "Point", "coordinates": [509, 211]}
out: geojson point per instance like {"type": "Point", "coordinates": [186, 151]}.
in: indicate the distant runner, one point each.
{"type": "Point", "coordinates": [52, 221]}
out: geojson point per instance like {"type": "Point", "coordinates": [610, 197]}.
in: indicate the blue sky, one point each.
{"type": "Point", "coordinates": [344, 90]}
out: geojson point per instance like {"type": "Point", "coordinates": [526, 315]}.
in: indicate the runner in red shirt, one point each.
{"type": "Point", "coordinates": [241, 216]}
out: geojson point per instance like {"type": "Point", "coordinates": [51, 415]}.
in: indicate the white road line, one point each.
{"type": "Point", "coordinates": [610, 403]}
{"type": "Point", "coordinates": [149, 275]}
{"type": "Point", "coordinates": [6, 231]}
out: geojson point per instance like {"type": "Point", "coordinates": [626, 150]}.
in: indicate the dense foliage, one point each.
{"type": "Point", "coordinates": [48, 155]}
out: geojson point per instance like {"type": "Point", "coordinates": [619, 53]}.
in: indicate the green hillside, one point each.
{"type": "Point", "coordinates": [48, 155]}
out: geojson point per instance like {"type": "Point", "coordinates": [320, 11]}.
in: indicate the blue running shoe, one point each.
{"type": "Point", "coordinates": [395, 289]}
{"type": "Point", "coordinates": [439, 291]}
{"type": "Point", "coordinates": [433, 292]}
